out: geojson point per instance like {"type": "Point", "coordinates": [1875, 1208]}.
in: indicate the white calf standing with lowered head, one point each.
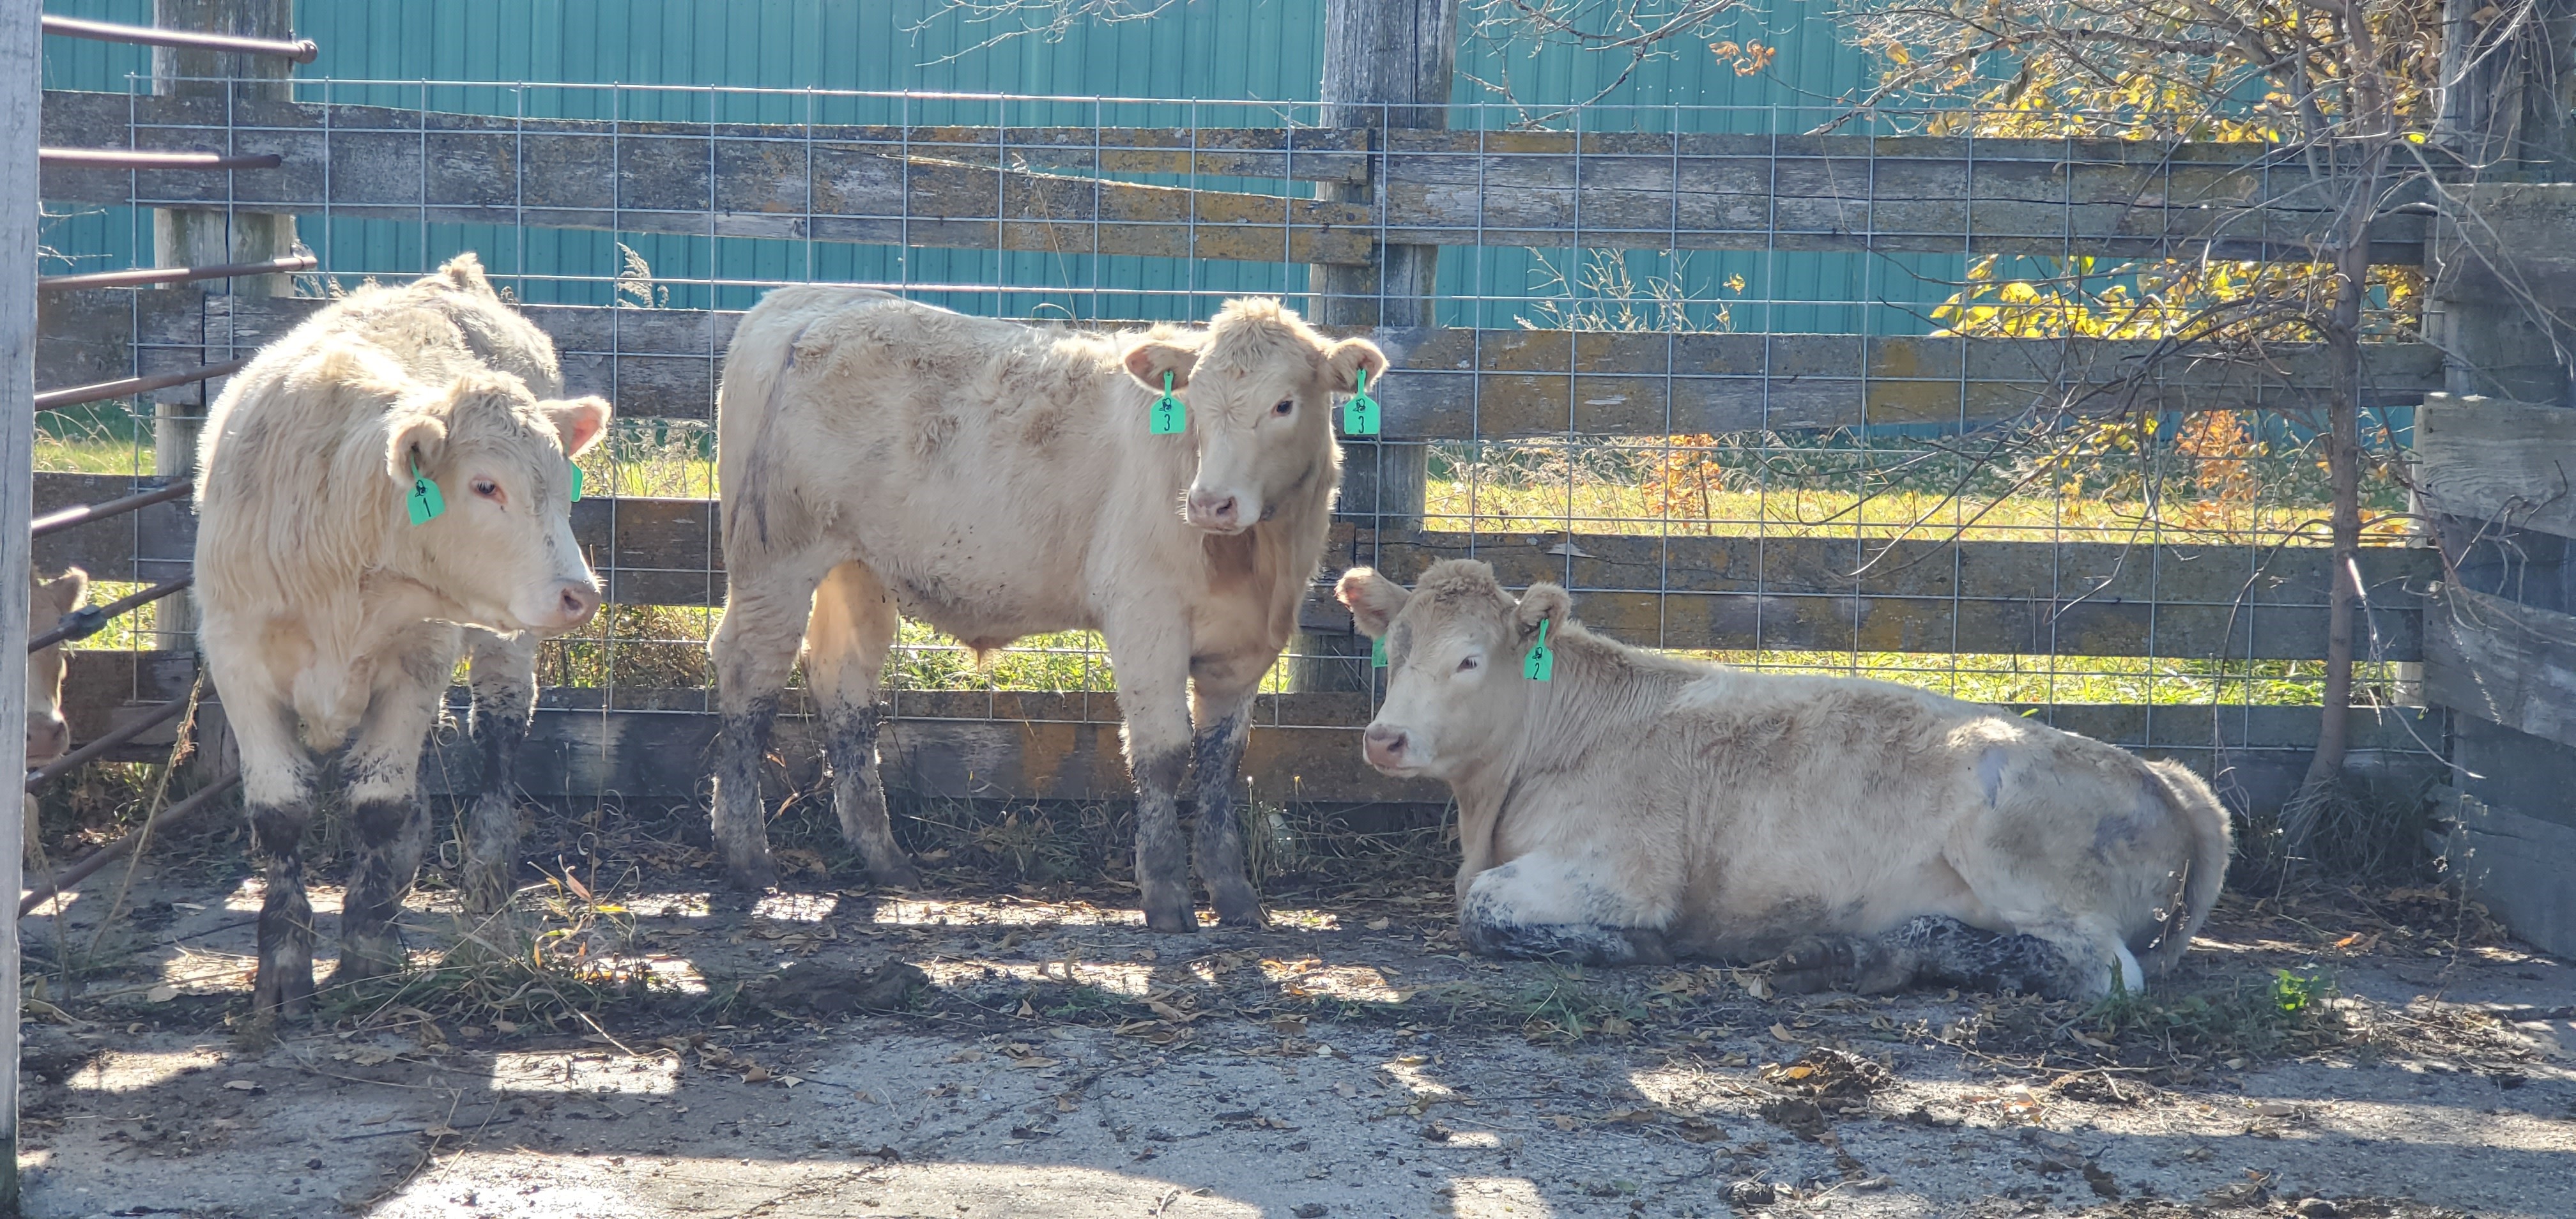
{"type": "Point", "coordinates": [390, 472]}
{"type": "Point", "coordinates": [996, 480]}
{"type": "Point", "coordinates": [48, 735]}
{"type": "Point", "coordinates": [1616, 805]}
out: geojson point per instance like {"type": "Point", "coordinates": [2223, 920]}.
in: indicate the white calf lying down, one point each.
{"type": "Point", "coordinates": [1635, 806]}
{"type": "Point", "coordinates": [388, 473]}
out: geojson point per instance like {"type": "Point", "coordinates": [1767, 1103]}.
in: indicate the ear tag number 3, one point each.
{"type": "Point", "coordinates": [1169, 416]}
{"type": "Point", "coordinates": [424, 502]}
{"type": "Point", "coordinates": [1359, 415]}
{"type": "Point", "coordinates": [1541, 664]}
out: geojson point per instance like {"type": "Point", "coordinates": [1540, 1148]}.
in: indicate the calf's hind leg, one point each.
{"type": "Point", "coordinates": [854, 623]}
{"type": "Point", "coordinates": [388, 825]}
{"type": "Point", "coordinates": [753, 649]}
{"type": "Point", "coordinates": [1542, 907]}
{"type": "Point", "coordinates": [1929, 950]}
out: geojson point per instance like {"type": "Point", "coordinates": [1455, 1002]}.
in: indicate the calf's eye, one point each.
{"type": "Point", "coordinates": [1466, 664]}
{"type": "Point", "coordinates": [487, 488]}
{"type": "Point", "coordinates": [1285, 405]}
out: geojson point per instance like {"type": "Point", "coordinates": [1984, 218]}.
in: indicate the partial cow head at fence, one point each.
{"type": "Point", "coordinates": [1455, 690]}
{"type": "Point", "coordinates": [487, 475]}
{"type": "Point", "coordinates": [48, 737]}
{"type": "Point", "coordinates": [1259, 384]}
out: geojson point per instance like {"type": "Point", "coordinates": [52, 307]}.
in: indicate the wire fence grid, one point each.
{"type": "Point", "coordinates": [1872, 402]}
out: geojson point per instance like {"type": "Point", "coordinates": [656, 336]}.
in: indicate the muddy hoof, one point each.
{"type": "Point", "coordinates": [760, 877]}
{"type": "Point", "coordinates": [1811, 965]}
{"type": "Point", "coordinates": [1239, 906]}
{"type": "Point", "coordinates": [1171, 919]}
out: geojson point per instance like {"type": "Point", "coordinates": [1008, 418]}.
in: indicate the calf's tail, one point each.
{"type": "Point", "coordinates": [762, 352]}
{"type": "Point", "coordinates": [2212, 844]}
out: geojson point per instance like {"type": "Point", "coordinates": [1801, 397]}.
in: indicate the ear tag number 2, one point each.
{"type": "Point", "coordinates": [1359, 415]}
{"type": "Point", "coordinates": [1541, 663]}
{"type": "Point", "coordinates": [1169, 416]}
{"type": "Point", "coordinates": [424, 502]}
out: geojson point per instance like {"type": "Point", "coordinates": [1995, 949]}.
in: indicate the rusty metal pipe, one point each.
{"type": "Point", "coordinates": [42, 775]}
{"type": "Point", "coordinates": [144, 276]}
{"type": "Point", "coordinates": [122, 847]}
{"type": "Point", "coordinates": [77, 394]}
{"type": "Point", "coordinates": [56, 522]}
{"type": "Point", "coordinates": [301, 50]}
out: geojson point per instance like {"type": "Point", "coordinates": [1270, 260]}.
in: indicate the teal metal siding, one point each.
{"type": "Point", "coordinates": [1267, 50]}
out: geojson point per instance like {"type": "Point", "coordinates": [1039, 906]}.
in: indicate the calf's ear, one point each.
{"type": "Point", "coordinates": [64, 591]}
{"type": "Point", "coordinates": [1542, 603]}
{"type": "Point", "coordinates": [1345, 360]}
{"type": "Point", "coordinates": [1374, 600]}
{"type": "Point", "coordinates": [1149, 359]}
{"type": "Point", "coordinates": [416, 441]}
{"type": "Point", "coordinates": [578, 423]}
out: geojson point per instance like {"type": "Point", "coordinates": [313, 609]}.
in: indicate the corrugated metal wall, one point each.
{"type": "Point", "coordinates": [1232, 52]}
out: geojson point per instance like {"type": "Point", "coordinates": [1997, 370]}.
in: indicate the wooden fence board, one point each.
{"type": "Point", "coordinates": [2085, 598]}
{"type": "Point", "coordinates": [690, 179]}
{"type": "Point", "coordinates": [1546, 189]}
{"type": "Point", "coordinates": [2512, 462]}
{"type": "Point", "coordinates": [1303, 748]}
{"type": "Point", "coordinates": [1447, 384]}
{"type": "Point", "coordinates": [2503, 662]}
{"type": "Point", "coordinates": [1889, 195]}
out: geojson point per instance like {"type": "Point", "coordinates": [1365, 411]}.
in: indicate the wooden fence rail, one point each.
{"type": "Point", "coordinates": [979, 188]}
{"type": "Point", "coordinates": [1447, 383]}
{"type": "Point", "coordinates": [2080, 599]}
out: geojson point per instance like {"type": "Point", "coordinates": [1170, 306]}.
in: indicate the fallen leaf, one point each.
{"type": "Point", "coordinates": [161, 994]}
{"type": "Point", "coordinates": [440, 1131]}
{"type": "Point", "coordinates": [1033, 1062]}
{"type": "Point", "coordinates": [1562, 1122]}
{"type": "Point", "coordinates": [1780, 1032]}
{"type": "Point", "coordinates": [239, 1085]}
{"type": "Point", "coordinates": [758, 1074]}
{"type": "Point", "coordinates": [1380, 924]}
{"type": "Point", "coordinates": [1171, 1013]}
{"type": "Point", "coordinates": [1027, 1012]}
{"type": "Point", "coordinates": [790, 1080]}
{"type": "Point", "coordinates": [2273, 1108]}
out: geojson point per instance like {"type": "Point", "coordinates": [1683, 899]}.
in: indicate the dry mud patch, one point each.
{"type": "Point", "coordinates": [1052, 1058]}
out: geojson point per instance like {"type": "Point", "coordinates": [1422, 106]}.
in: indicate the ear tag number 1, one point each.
{"type": "Point", "coordinates": [1377, 652]}
{"type": "Point", "coordinates": [1359, 415]}
{"type": "Point", "coordinates": [424, 502]}
{"type": "Point", "coordinates": [1170, 416]}
{"type": "Point", "coordinates": [1541, 664]}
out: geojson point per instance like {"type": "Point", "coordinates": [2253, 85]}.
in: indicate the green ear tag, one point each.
{"type": "Point", "coordinates": [1359, 415]}
{"type": "Point", "coordinates": [424, 502]}
{"type": "Point", "coordinates": [1541, 663]}
{"type": "Point", "coordinates": [576, 482]}
{"type": "Point", "coordinates": [1169, 415]}
{"type": "Point", "coordinates": [1377, 652]}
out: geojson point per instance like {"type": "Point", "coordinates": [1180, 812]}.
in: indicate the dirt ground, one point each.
{"type": "Point", "coordinates": [1052, 1058]}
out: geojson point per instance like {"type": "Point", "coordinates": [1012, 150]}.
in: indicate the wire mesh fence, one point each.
{"type": "Point", "coordinates": [1791, 388]}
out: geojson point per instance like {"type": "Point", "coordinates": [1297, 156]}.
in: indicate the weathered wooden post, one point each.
{"type": "Point", "coordinates": [194, 238]}
{"type": "Point", "coordinates": [21, 91]}
{"type": "Point", "coordinates": [2492, 462]}
{"type": "Point", "coordinates": [1387, 65]}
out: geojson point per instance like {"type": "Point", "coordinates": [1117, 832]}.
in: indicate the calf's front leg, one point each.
{"type": "Point", "coordinates": [1540, 907]}
{"type": "Point", "coordinates": [1150, 654]}
{"type": "Point", "coordinates": [277, 797]}
{"type": "Point", "coordinates": [1219, 838]}
{"type": "Point", "coordinates": [389, 826]}
{"type": "Point", "coordinates": [754, 649]}
{"type": "Point", "coordinates": [505, 700]}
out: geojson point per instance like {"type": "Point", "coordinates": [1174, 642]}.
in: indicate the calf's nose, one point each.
{"type": "Point", "coordinates": [1381, 745]}
{"type": "Point", "coordinates": [47, 738]}
{"type": "Point", "coordinates": [1209, 510]}
{"type": "Point", "coordinates": [575, 604]}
